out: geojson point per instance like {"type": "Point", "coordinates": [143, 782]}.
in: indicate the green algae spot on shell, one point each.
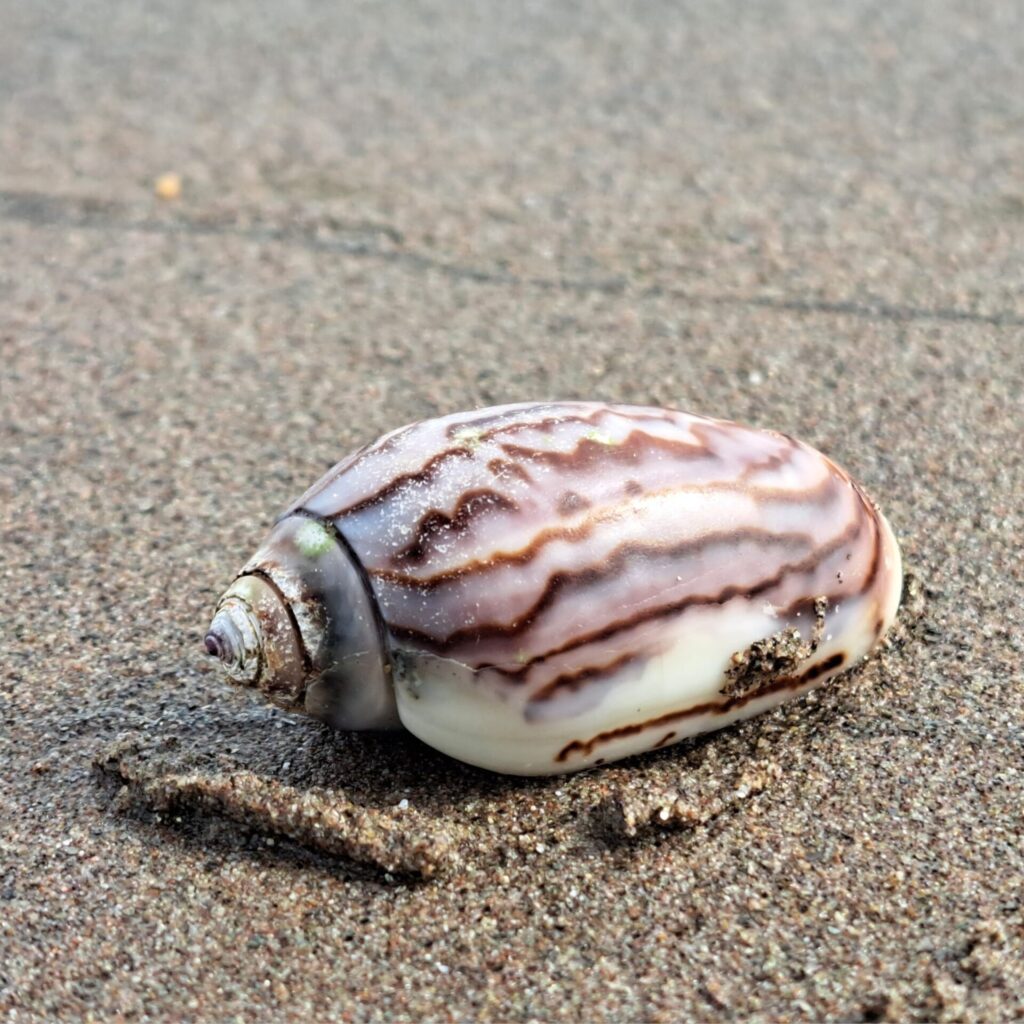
{"type": "Point", "coordinates": [314, 539]}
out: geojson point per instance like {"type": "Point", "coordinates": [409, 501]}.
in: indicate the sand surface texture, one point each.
{"type": "Point", "coordinates": [239, 240]}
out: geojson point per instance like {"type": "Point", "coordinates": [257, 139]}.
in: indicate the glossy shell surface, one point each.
{"type": "Point", "coordinates": [565, 584]}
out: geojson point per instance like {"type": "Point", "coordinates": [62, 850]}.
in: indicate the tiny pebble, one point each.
{"type": "Point", "coordinates": [167, 186]}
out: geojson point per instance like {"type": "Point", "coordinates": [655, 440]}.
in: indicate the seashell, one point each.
{"type": "Point", "coordinates": [540, 588]}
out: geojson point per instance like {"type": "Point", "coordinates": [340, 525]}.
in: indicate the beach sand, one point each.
{"type": "Point", "coordinates": [238, 241]}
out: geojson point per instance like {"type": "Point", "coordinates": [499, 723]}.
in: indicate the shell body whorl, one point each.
{"type": "Point", "coordinates": [558, 585]}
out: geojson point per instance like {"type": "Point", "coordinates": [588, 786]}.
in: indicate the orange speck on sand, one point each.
{"type": "Point", "coordinates": [167, 186]}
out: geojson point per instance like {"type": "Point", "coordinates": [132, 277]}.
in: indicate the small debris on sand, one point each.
{"type": "Point", "coordinates": [167, 186]}
{"type": "Point", "coordinates": [628, 813]}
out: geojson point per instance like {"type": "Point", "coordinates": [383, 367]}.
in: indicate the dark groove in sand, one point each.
{"type": "Point", "coordinates": [45, 210]}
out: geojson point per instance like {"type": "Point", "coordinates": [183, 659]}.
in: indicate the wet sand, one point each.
{"type": "Point", "coordinates": [805, 219]}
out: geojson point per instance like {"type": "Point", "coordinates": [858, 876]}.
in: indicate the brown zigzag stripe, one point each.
{"type": "Point", "coordinates": [586, 453]}
{"type": "Point", "coordinates": [570, 681]}
{"type": "Point", "coordinates": [425, 474]}
{"type": "Point", "coordinates": [470, 507]}
{"type": "Point", "coordinates": [503, 467]}
{"type": "Point", "coordinates": [639, 415]}
{"type": "Point", "coordinates": [820, 494]}
{"type": "Point", "coordinates": [586, 747]}
{"type": "Point", "coordinates": [332, 474]}
{"type": "Point", "coordinates": [591, 451]}
{"type": "Point", "coordinates": [570, 415]}
{"type": "Point", "coordinates": [392, 441]}
{"type": "Point", "coordinates": [584, 571]}
{"type": "Point", "coordinates": [561, 581]}
{"type": "Point", "coordinates": [798, 608]}
{"type": "Point", "coordinates": [773, 461]}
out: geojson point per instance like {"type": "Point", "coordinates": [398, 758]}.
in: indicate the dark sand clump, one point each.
{"type": "Point", "coordinates": [241, 240]}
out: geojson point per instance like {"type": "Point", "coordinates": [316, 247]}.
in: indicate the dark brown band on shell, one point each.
{"type": "Point", "coordinates": [612, 565]}
{"type": "Point", "coordinates": [586, 747]}
{"type": "Point", "coordinates": [821, 494]}
{"type": "Point", "coordinates": [436, 525]}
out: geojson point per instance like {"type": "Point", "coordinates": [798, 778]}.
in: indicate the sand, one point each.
{"type": "Point", "coordinates": [809, 218]}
